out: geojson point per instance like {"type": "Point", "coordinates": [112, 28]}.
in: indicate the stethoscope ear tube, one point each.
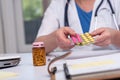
{"type": "Point", "coordinates": [115, 21]}
{"type": "Point", "coordinates": [113, 14]}
{"type": "Point", "coordinates": [98, 8]}
{"type": "Point", "coordinates": [66, 22]}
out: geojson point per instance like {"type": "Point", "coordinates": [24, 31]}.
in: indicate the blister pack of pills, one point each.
{"type": "Point", "coordinates": [82, 39]}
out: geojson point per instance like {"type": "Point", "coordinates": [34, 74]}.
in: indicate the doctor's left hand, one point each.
{"type": "Point", "coordinates": [104, 36]}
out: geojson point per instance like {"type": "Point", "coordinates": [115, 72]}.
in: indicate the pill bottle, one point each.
{"type": "Point", "coordinates": [39, 54]}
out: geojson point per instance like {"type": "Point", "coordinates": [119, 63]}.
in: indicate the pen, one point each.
{"type": "Point", "coordinates": [66, 71]}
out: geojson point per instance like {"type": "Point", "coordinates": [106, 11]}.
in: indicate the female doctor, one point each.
{"type": "Point", "coordinates": [101, 18]}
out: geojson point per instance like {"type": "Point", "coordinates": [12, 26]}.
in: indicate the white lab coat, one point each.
{"type": "Point", "coordinates": [54, 18]}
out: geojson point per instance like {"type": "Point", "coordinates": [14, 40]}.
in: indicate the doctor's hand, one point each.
{"type": "Point", "coordinates": [62, 38]}
{"type": "Point", "coordinates": [104, 36]}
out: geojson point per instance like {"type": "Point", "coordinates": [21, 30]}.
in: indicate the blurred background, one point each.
{"type": "Point", "coordinates": [19, 24]}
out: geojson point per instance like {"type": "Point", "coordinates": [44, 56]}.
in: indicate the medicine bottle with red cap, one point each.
{"type": "Point", "coordinates": [39, 54]}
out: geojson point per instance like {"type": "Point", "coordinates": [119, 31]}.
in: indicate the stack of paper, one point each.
{"type": "Point", "coordinates": [99, 67]}
{"type": "Point", "coordinates": [6, 75]}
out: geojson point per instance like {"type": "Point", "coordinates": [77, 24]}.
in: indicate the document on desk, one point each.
{"type": "Point", "coordinates": [5, 75]}
{"type": "Point", "coordinates": [99, 67]}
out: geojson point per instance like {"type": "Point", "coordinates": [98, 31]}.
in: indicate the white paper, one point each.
{"type": "Point", "coordinates": [94, 64]}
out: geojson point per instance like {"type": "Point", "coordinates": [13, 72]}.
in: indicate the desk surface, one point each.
{"type": "Point", "coordinates": [26, 70]}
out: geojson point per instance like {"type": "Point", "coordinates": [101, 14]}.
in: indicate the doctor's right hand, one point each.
{"type": "Point", "coordinates": [62, 38]}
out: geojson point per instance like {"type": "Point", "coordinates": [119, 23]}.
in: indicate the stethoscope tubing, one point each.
{"type": "Point", "coordinates": [115, 21]}
{"type": "Point", "coordinates": [113, 14]}
{"type": "Point", "coordinates": [66, 22]}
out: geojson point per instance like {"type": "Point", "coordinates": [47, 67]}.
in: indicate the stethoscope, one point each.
{"type": "Point", "coordinates": [66, 22]}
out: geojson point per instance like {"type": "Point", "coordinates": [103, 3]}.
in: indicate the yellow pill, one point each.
{"type": "Point", "coordinates": [92, 41]}
{"type": "Point", "coordinates": [83, 43]}
{"type": "Point", "coordinates": [91, 38]}
{"type": "Point", "coordinates": [87, 34]}
{"type": "Point", "coordinates": [83, 37]}
{"type": "Point", "coordinates": [86, 40]}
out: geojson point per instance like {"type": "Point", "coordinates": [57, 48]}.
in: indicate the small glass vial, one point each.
{"type": "Point", "coordinates": [39, 54]}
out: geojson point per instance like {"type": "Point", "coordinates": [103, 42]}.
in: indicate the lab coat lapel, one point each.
{"type": "Point", "coordinates": [104, 18]}
{"type": "Point", "coordinates": [73, 17]}
{"type": "Point", "coordinates": [93, 18]}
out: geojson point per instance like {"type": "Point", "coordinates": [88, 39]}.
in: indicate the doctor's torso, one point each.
{"type": "Point", "coordinates": [56, 13]}
{"type": "Point", "coordinates": [104, 18]}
